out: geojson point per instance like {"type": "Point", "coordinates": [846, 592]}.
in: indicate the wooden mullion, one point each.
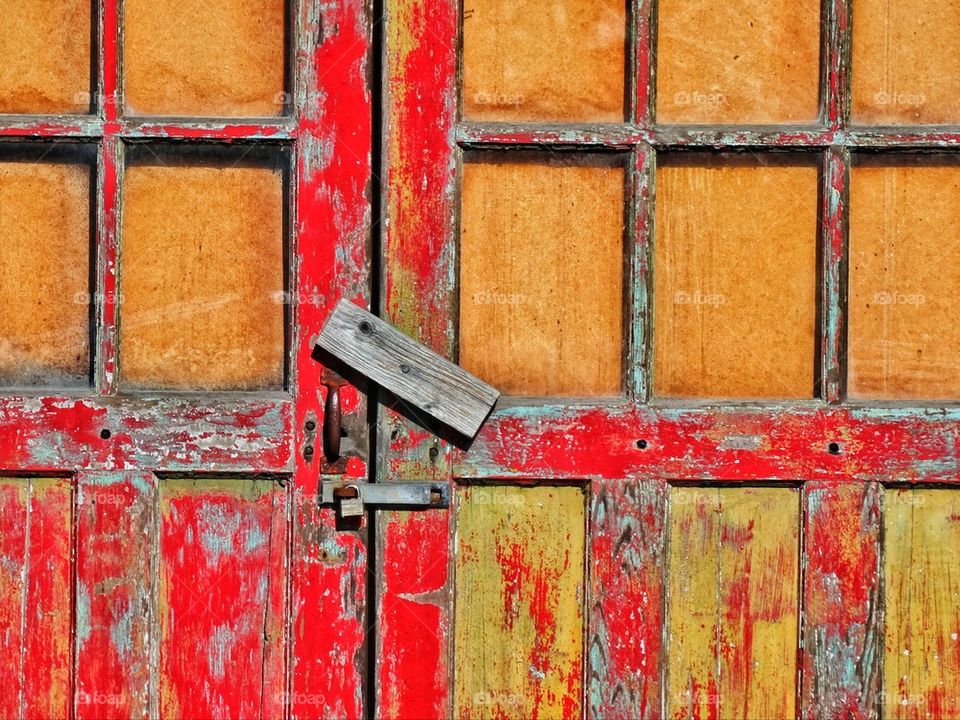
{"type": "Point", "coordinates": [638, 292]}
{"type": "Point", "coordinates": [105, 290]}
{"type": "Point", "coordinates": [833, 281]}
{"type": "Point", "coordinates": [835, 64]}
{"type": "Point", "coordinates": [642, 71]}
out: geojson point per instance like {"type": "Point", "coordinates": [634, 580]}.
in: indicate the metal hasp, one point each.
{"type": "Point", "coordinates": [352, 498]}
{"type": "Point", "coordinates": [440, 388]}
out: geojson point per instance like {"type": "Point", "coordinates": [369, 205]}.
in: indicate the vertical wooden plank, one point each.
{"type": "Point", "coordinates": [35, 596]}
{"type": "Point", "coordinates": [329, 606]}
{"type": "Point", "coordinates": [921, 586]}
{"type": "Point", "coordinates": [519, 594]}
{"type": "Point", "coordinates": [627, 522]}
{"type": "Point", "coordinates": [414, 614]}
{"type": "Point", "coordinates": [734, 602]}
{"type": "Point", "coordinates": [220, 606]}
{"type": "Point", "coordinates": [419, 274]}
{"type": "Point", "coordinates": [840, 656]}
{"type": "Point", "coordinates": [14, 504]}
{"type": "Point", "coordinates": [116, 530]}
{"type": "Point", "coordinates": [333, 101]}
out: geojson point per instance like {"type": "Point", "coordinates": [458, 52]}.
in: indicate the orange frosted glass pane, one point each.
{"type": "Point", "coordinates": [202, 278]}
{"type": "Point", "coordinates": [541, 277]}
{"type": "Point", "coordinates": [735, 279]}
{"type": "Point", "coordinates": [747, 61]}
{"type": "Point", "coordinates": [557, 60]}
{"type": "Point", "coordinates": [210, 58]}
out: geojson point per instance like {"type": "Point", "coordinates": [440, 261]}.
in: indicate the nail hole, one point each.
{"type": "Point", "coordinates": [833, 448]}
{"type": "Point", "coordinates": [404, 369]}
{"type": "Point", "coordinates": [105, 434]}
{"type": "Point", "coordinates": [642, 444]}
{"type": "Point", "coordinates": [365, 327]}
{"type": "Point", "coordinates": [433, 453]}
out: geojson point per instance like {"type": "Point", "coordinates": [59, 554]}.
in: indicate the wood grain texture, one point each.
{"type": "Point", "coordinates": [541, 268]}
{"type": "Point", "coordinates": [35, 597]}
{"type": "Point", "coordinates": [627, 541]}
{"type": "Point", "coordinates": [559, 61]}
{"type": "Point", "coordinates": [207, 58]}
{"type": "Point", "coordinates": [45, 66]}
{"type": "Point", "coordinates": [221, 598]}
{"type": "Point", "coordinates": [921, 586]}
{"type": "Point", "coordinates": [406, 368]}
{"type": "Point", "coordinates": [202, 278]}
{"type": "Point", "coordinates": [904, 62]}
{"type": "Point", "coordinates": [116, 605]}
{"type": "Point", "coordinates": [842, 600]}
{"type": "Point", "coordinates": [44, 273]}
{"type": "Point", "coordinates": [519, 593]}
{"type": "Point", "coordinates": [746, 62]}
{"type": "Point", "coordinates": [414, 613]}
{"type": "Point", "coordinates": [903, 340]}
{"type": "Point", "coordinates": [735, 278]}
{"type": "Point", "coordinates": [733, 602]}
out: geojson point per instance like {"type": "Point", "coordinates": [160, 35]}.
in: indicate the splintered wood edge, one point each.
{"type": "Point", "coordinates": [406, 368]}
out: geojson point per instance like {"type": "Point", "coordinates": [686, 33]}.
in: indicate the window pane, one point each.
{"type": "Point", "coordinates": [204, 57]}
{"type": "Point", "coordinates": [541, 276]}
{"type": "Point", "coordinates": [45, 56]}
{"type": "Point", "coordinates": [904, 341]}
{"type": "Point", "coordinates": [558, 60]}
{"type": "Point", "coordinates": [44, 270]}
{"type": "Point", "coordinates": [735, 277]}
{"type": "Point", "coordinates": [749, 61]}
{"type": "Point", "coordinates": [202, 277]}
{"type": "Point", "coordinates": [906, 62]}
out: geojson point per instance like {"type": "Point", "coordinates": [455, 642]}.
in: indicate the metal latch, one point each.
{"type": "Point", "coordinates": [352, 498]}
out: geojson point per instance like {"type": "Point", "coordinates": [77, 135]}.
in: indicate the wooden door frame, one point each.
{"type": "Point", "coordinates": [844, 453]}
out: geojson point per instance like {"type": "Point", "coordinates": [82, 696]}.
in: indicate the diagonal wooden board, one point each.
{"type": "Point", "coordinates": [440, 388]}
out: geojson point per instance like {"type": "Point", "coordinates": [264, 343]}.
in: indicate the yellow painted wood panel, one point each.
{"type": "Point", "coordinates": [748, 61]}
{"type": "Point", "coordinates": [733, 602]}
{"type": "Point", "coordinates": [735, 278]}
{"type": "Point", "coordinates": [905, 62]}
{"type": "Point", "coordinates": [44, 273]}
{"type": "Point", "coordinates": [903, 338]}
{"type": "Point", "coordinates": [519, 602]}
{"type": "Point", "coordinates": [210, 58]}
{"type": "Point", "coordinates": [922, 600]}
{"type": "Point", "coordinates": [541, 276]}
{"type": "Point", "coordinates": [202, 278]}
{"type": "Point", "coordinates": [45, 56]}
{"type": "Point", "coordinates": [556, 60]}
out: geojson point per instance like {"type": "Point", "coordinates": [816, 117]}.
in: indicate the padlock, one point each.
{"type": "Point", "coordinates": [351, 504]}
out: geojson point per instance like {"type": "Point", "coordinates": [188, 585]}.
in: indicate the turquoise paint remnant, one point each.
{"type": "Point", "coordinates": [219, 535]}
{"type": "Point", "coordinates": [84, 627]}
{"type": "Point", "coordinates": [121, 633]}
{"type": "Point", "coordinates": [219, 650]}
{"type": "Point", "coordinates": [256, 538]}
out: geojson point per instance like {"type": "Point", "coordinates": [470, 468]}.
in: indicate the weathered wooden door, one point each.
{"type": "Point", "coordinates": [698, 249]}
{"type": "Point", "coordinates": [184, 194]}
